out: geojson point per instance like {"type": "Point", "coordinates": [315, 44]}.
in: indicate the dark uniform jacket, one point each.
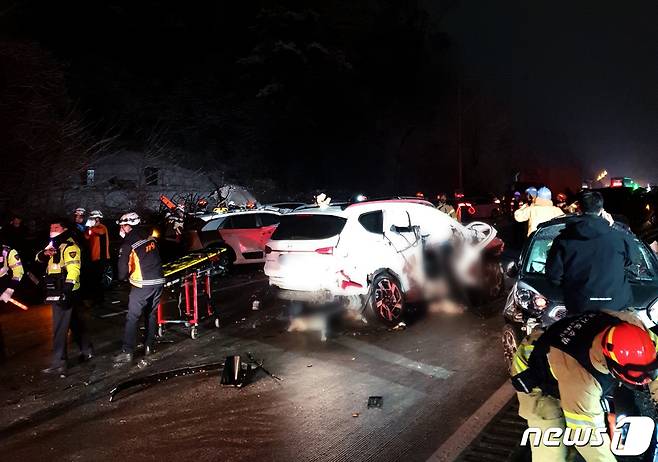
{"type": "Point", "coordinates": [139, 260]}
{"type": "Point", "coordinates": [588, 260]}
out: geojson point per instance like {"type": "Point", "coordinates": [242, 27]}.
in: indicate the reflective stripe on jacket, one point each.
{"type": "Point", "coordinates": [139, 260]}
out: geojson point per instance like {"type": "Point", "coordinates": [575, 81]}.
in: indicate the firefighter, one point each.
{"type": "Point", "coordinates": [98, 254]}
{"type": "Point", "coordinates": [443, 206]}
{"type": "Point", "coordinates": [563, 374]}
{"type": "Point", "coordinates": [62, 256]}
{"type": "Point", "coordinates": [139, 262]}
{"type": "Point", "coordinates": [541, 209]}
{"type": "Point", "coordinates": [11, 272]}
{"type": "Point", "coordinates": [79, 220]}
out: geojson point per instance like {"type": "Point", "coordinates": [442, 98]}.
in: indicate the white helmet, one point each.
{"type": "Point", "coordinates": [79, 211]}
{"type": "Point", "coordinates": [131, 219]}
{"type": "Point", "coordinates": [96, 214]}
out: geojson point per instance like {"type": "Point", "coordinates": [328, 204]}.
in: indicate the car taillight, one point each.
{"type": "Point", "coordinates": [325, 251]}
{"type": "Point", "coordinates": [268, 250]}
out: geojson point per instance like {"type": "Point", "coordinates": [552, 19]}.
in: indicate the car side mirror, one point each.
{"type": "Point", "coordinates": [512, 269]}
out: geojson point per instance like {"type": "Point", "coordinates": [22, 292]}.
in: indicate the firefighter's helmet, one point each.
{"type": "Point", "coordinates": [96, 214]}
{"type": "Point", "coordinates": [79, 211]}
{"type": "Point", "coordinates": [131, 219]}
{"type": "Point", "coordinates": [630, 354]}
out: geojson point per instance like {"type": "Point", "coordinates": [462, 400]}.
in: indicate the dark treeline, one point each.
{"type": "Point", "coordinates": [328, 94]}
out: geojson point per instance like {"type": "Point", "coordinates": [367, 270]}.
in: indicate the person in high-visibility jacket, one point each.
{"type": "Point", "coordinates": [11, 272]}
{"type": "Point", "coordinates": [139, 263]}
{"type": "Point", "coordinates": [98, 255]}
{"type": "Point", "coordinates": [62, 256]}
{"type": "Point", "coordinates": [562, 375]}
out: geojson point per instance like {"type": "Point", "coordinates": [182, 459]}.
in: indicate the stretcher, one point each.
{"type": "Point", "coordinates": [189, 279]}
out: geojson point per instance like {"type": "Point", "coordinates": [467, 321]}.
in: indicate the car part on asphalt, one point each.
{"type": "Point", "coordinates": [375, 402]}
{"type": "Point", "coordinates": [235, 372]}
{"type": "Point", "coordinates": [163, 376]}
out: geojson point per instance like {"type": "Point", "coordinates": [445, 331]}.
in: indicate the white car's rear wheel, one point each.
{"type": "Point", "coordinates": [386, 303]}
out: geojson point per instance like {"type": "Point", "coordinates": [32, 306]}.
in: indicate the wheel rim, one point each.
{"type": "Point", "coordinates": [509, 345]}
{"type": "Point", "coordinates": [388, 300]}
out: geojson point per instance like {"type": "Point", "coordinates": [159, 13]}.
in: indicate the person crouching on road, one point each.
{"type": "Point", "coordinates": [540, 211]}
{"type": "Point", "coordinates": [62, 255]}
{"type": "Point", "coordinates": [140, 263]}
{"type": "Point", "coordinates": [562, 375]}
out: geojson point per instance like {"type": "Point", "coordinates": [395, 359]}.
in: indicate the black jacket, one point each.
{"type": "Point", "coordinates": [139, 260]}
{"type": "Point", "coordinates": [588, 260]}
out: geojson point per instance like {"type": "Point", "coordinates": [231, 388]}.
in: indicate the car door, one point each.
{"type": "Point", "coordinates": [242, 233]}
{"type": "Point", "coordinates": [404, 254]}
{"type": "Point", "coordinates": [268, 223]}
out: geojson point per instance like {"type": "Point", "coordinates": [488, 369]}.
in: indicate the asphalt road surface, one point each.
{"type": "Point", "coordinates": [432, 376]}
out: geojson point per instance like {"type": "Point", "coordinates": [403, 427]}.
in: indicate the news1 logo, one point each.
{"type": "Point", "coordinates": [632, 436]}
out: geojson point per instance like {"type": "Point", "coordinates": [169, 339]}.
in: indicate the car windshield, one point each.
{"type": "Point", "coordinates": [308, 227]}
{"type": "Point", "coordinates": [643, 267]}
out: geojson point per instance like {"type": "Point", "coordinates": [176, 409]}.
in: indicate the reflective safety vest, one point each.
{"type": "Point", "coordinates": [11, 267]}
{"type": "Point", "coordinates": [139, 260]}
{"type": "Point", "coordinates": [66, 261]}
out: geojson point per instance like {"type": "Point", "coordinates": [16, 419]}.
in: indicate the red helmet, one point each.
{"type": "Point", "coordinates": [630, 354]}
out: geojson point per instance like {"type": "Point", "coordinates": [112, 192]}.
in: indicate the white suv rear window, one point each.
{"type": "Point", "coordinates": [308, 227]}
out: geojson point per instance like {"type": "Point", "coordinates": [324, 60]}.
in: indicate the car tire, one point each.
{"type": "Point", "coordinates": [511, 337]}
{"type": "Point", "coordinates": [385, 303]}
{"type": "Point", "coordinates": [226, 259]}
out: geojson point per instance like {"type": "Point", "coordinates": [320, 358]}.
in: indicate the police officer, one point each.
{"type": "Point", "coordinates": [62, 255]}
{"type": "Point", "coordinates": [139, 262]}
{"type": "Point", "coordinates": [11, 272]}
{"type": "Point", "coordinates": [563, 374]}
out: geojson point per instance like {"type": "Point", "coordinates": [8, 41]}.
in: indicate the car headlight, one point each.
{"type": "Point", "coordinates": [652, 311]}
{"type": "Point", "coordinates": [529, 299]}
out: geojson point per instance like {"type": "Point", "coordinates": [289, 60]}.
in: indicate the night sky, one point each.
{"type": "Point", "coordinates": [584, 73]}
{"type": "Point", "coordinates": [301, 87]}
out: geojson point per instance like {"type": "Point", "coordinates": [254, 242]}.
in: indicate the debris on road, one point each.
{"type": "Point", "coordinates": [309, 365]}
{"type": "Point", "coordinates": [375, 402]}
{"type": "Point", "coordinates": [163, 376]}
{"type": "Point", "coordinates": [399, 326]}
{"type": "Point", "coordinates": [355, 414]}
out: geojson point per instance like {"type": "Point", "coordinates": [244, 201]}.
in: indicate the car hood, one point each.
{"type": "Point", "coordinates": [644, 292]}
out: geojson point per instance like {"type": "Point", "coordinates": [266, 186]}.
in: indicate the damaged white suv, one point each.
{"type": "Point", "coordinates": [372, 256]}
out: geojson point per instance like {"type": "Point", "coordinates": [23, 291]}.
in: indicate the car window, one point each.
{"type": "Point", "coordinates": [268, 219]}
{"type": "Point", "coordinates": [247, 221]}
{"type": "Point", "coordinates": [308, 227]}
{"type": "Point", "coordinates": [373, 221]}
{"type": "Point", "coordinates": [538, 252]}
{"type": "Point", "coordinates": [213, 225]}
{"type": "Point", "coordinates": [643, 263]}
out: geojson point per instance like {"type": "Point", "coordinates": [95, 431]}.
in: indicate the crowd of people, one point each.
{"type": "Point", "coordinates": [77, 269]}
